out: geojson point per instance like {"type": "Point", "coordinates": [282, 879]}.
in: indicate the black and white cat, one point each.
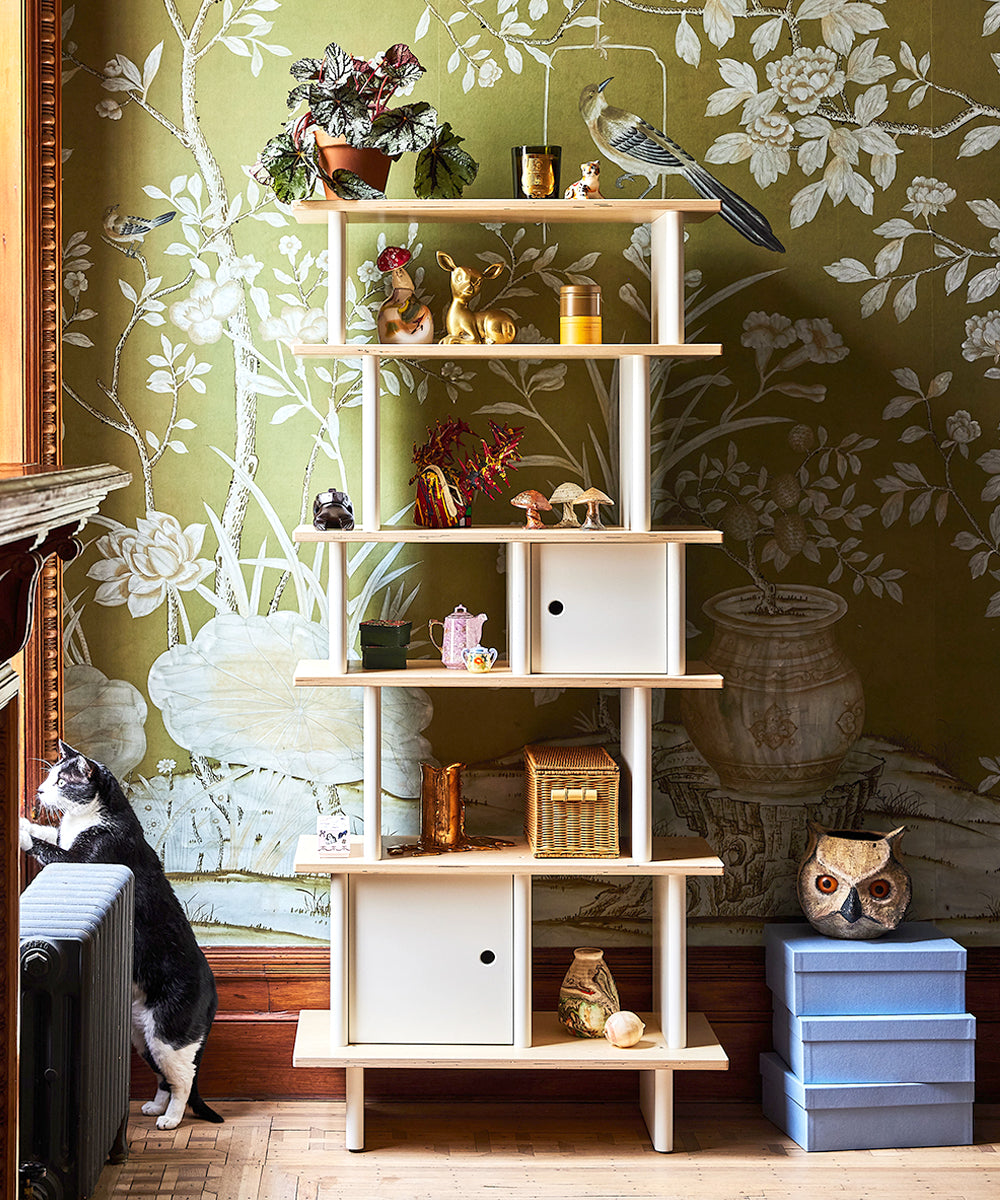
{"type": "Point", "coordinates": [173, 989]}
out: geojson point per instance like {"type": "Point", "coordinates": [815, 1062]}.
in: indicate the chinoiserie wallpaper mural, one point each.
{"type": "Point", "coordinates": [846, 442]}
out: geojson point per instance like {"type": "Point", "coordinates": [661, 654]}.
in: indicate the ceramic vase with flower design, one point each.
{"type": "Point", "coordinates": [588, 995]}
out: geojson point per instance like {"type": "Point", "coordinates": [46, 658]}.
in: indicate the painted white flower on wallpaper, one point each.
{"type": "Point", "coordinates": [229, 695]}
{"type": "Point", "coordinates": [141, 567]}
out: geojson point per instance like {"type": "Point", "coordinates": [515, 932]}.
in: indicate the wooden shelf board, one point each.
{"type": "Point", "coordinates": [551, 1047]}
{"type": "Point", "coordinates": [427, 673]}
{"type": "Point", "coordinates": [571, 212]}
{"type": "Point", "coordinates": [671, 856]}
{"type": "Point", "coordinates": [485, 534]}
{"type": "Point", "coordinates": [515, 350]}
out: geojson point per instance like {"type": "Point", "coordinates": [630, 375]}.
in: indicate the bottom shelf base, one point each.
{"type": "Point", "coordinates": [550, 1047]}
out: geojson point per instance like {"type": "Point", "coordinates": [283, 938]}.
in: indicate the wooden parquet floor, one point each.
{"type": "Point", "coordinates": [295, 1151]}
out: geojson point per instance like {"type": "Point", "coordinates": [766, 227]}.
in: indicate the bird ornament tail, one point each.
{"type": "Point", "coordinates": [739, 213]}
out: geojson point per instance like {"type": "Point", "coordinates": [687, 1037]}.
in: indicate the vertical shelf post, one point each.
{"type": "Point", "coordinates": [339, 959]}
{"type": "Point", "coordinates": [336, 306]}
{"type": "Point", "coordinates": [519, 607]}
{"type": "Point", "coordinates": [637, 751]}
{"type": "Point", "coordinates": [666, 278]}
{"type": "Point", "coordinates": [372, 764]}
{"type": "Point", "coordinates": [522, 960]}
{"type": "Point", "coordinates": [371, 491]}
{"type": "Point", "coordinates": [656, 1101]}
{"type": "Point", "coordinates": [676, 609]}
{"type": "Point", "coordinates": [670, 957]}
{"type": "Point", "coordinates": [354, 1086]}
{"type": "Point", "coordinates": [336, 604]}
{"type": "Point", "coordinates": [634, 446]}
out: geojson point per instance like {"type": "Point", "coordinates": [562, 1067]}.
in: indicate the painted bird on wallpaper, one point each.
{"type": "Point", "coordinates": [642, 149]}
{"type": "Point", "coordinates": [121, 230]}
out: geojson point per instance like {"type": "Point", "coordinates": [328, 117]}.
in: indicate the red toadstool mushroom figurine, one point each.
{"type": "Point", "coordinates": [402, 319]}
{"type": "Point", "coordinates": [533, 502]}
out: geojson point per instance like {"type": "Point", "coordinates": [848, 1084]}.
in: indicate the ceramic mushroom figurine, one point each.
{"type": "Point", "coordinates": [402, 319]}
{"type": "Point", "coordinates": [534, 503]}
{"type": "Point", "coordinates": [593, 498]}
{"type": "Point", "coordinates": [566, 494]}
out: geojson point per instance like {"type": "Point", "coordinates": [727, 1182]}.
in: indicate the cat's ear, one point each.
{"type": "Point", "coordinates": [66, 751]}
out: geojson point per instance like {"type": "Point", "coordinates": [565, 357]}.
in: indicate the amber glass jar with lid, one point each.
{"type": "Point", "coordinates": [579, 314]}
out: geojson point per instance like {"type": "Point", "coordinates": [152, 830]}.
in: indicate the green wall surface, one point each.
{"type": "Point", "coordinates": [846, 442]}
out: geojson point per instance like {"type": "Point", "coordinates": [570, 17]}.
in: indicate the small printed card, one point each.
{"type": "Point", "coordinates": [331, 831]}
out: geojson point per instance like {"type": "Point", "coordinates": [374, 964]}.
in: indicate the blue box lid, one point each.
{"type": "Point", "coordinates": [860, 1095]}
{"type": "Point", "coordinates": [905, 1027]}
{"type": "Point", "coordinates": [914, 946]}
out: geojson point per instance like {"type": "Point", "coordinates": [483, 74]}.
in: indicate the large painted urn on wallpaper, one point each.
{"type": "Point", "coordinates": [792, 706]}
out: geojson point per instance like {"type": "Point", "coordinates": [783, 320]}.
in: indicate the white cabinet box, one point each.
{"type": "Point", "coordinates": [597, 609]}
{"type": "Point", "coordinates": [431, 960]}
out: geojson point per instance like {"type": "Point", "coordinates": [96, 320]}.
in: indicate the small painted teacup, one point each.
{"type": "Point", "coordinates": [479, 658]}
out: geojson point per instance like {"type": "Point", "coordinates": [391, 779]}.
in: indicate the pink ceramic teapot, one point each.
{"type": "Point", "coordinates": [460, 630]}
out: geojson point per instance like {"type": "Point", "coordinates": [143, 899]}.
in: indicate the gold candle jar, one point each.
{"type": "Point", "coordinates": [580, 314]}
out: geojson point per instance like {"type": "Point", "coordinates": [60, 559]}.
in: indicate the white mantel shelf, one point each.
{"type": "Point", "coordinates": [671, 856]}
{"type": "Point", "coordinates": [515, 350]}
{"type": "Point", "coordinates": [426, 673]}
{"type": "Point", "coordinates": [488, 534]}
{"type": "Point", "coordinates": [570, 212]}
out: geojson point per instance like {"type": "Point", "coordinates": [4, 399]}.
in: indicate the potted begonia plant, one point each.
{"type": "Point", "coordinates": [348, 136]}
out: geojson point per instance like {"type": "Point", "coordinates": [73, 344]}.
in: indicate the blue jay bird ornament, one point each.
{"type": "Point", "coordinates": [641, 149]}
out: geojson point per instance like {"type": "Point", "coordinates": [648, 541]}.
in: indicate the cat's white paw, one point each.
{"type": "Point", "coordinates": [167, 1122]}
{"type": "Point", "coordinates": [25, 834]}
{"type": "Point", "coordinates": [152, 1109]}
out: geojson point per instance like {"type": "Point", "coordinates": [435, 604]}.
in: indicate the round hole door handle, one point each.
{"type": "Point", "coordinates": [487, 957]}
{"type": "Point", "coordinates": [556, 607]}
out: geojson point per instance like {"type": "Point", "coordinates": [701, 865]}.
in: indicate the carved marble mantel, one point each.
{"type": "Point", "coordinates": [41, 512]}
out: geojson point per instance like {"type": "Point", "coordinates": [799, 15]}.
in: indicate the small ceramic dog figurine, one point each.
{"type": "Point", "coordinates": [588, 187]}
{"type": "Point", "coordinates": [333, 510]}
{"type": "Point", "coordinates": [485, 326]}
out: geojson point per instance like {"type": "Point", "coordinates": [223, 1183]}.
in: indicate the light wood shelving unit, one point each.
{"type": "Point", "coordinates": [674, 1039]}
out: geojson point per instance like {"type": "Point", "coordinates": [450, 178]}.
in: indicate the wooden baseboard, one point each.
{"type": "Point", "coordinates": [249, 1053]}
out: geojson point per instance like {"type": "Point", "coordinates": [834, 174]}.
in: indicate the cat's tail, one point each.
{"type": "Point", "coordinates": [200, 1108]}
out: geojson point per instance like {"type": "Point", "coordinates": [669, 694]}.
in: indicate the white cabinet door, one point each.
{"type": "Point", "coordinates": [597, 609]}
{"type": "Point", "coordinates": [431, 960]}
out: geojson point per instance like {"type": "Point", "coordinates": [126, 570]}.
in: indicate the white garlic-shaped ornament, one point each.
{"type": "Point", "coordinates": [623, 1029]}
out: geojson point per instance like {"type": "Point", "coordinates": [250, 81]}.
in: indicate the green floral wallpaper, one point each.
{"type": "Point", "coordinates": [847, 441]}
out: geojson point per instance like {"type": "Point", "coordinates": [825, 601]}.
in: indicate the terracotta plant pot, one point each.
{"type": "Point", "coordinates": [335, 155]}
{"type": "Point", "coordinates": [792, 705]}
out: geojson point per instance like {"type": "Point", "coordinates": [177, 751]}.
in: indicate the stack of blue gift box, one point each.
{"type": "Point", "coordinates": [874, 1048]}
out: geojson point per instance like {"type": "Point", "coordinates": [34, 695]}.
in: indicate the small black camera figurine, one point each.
{"type": "Point", "coordinates": [333, 510]}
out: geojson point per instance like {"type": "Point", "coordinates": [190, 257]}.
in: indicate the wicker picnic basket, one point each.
{"type": "Point", "coordinates": [571, 802]}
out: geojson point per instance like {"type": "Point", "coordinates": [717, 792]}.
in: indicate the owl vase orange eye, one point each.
{"type": "Point", "coordinates": [880, 889]}
{"type": "Point", "coordinates": [826, 884]}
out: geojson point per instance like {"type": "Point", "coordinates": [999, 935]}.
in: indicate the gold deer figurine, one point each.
{"type": "Point", "coordinates": [486, 326]}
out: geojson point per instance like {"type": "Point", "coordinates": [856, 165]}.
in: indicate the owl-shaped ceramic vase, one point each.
{"type": "Point", "coordinates": [851, 883]}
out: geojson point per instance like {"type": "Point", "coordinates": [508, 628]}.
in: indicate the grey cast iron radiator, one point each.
{"type": "Point", "coordinates": [76, 999]}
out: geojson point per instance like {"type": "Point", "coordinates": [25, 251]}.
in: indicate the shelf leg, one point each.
{"type": "Point", "coordinates": [372, 719]}
{"type": "Point", "coordinates": [518, 607]}
{"type": "Point", "coordinates": [371, 490]}
{"type": "Point", "coordinates": [666, 269]}
{"type": "Point", "coordinates": [670, 957]}
{"type": "Point", "coordinates": [354, 1132]}
{"type": "Point", "coordinates": [636, 722]}
{"type": "Point", "coordinates": [336, 596]}
{"type": "Point", "coordinates": [339, 965]}
{"type": "Point", "coordinates": [336, 307]}
{"type": "Point", "coordinates": [676, 609]}
{"type": "Point", "coordinates": [634, 445]}
{"type": "Point", "coordinates": [656, 1100]}
{"type": "Point", "coordinates": [522, 961]}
